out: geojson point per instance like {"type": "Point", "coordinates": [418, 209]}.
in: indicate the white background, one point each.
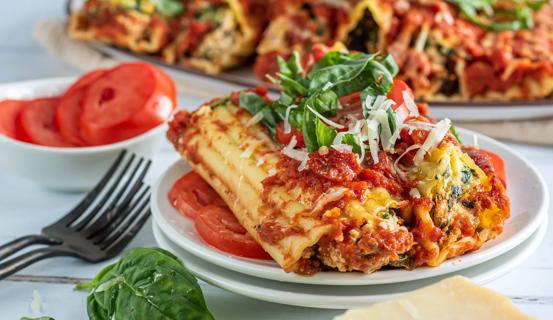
{"type": "Point", "coordinates": [24, 208]}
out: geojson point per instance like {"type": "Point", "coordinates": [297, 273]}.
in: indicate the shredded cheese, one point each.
{"type": "Point", "coordinates": [254, 120]}
{"type": "Point", "coordinates": [325, 120]}
{"type": "Point", "coordinates": [434, 138]}
{"type": "Point", "coordinates": [250, 149]}
{"type": "Point", "coordinates": [396, 163]}
{"type": "Point", "coordinates": [414, 193]}
{"type": "Point", "coordinates": [422, 38]}
{"type": "Point", "coordinates": [299, 155]}
{"type": "Point", "coordinates": [36, 303]}
{"type": "Point", "coordinates": [287, 126]}
{"type": "Point", "coordinates": [410, 103]}
{"type": "Point", "coordinates": [332, 195]}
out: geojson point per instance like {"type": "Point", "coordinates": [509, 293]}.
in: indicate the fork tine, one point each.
{"type": "Point", "coordinates": [107, 195]}
{"type": "Point", "coordinates": [131, 217]}
{"type": "Point", "coordinates": [91, 195]}
{"type": "Point", "coordinates": [123, 238]}
{"type": "Point", "coordinates": [106, 223]}
{"type": "Point", "coordinates": [116, 208]}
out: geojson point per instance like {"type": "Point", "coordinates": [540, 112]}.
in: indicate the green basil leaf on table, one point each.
{"type": "Point", "coordinates": [146, 284]}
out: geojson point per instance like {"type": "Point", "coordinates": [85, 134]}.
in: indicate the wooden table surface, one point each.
{"type": "Point", "coordinates": [25, 208]}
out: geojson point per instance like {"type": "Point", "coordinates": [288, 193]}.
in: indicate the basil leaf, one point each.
{"type": "Point", "coordinates": [338, 74]}
{"type": "Point", "coordinates": [367, 92]}
{"type": "Point", "coordinates": [291, 68]}
{"type": "Point", "coordinates": [330, 59]}
{"type": "Point", "coordinates": [325, 134]}
{"type": "Point", "coordinates": [352, 141]}
{"type": "Point", "coordinates": [454, 133]}
{"type": "Point", "coordinates": [291, 75]}
{"type": "Point", "coordinates": [256, 104]}
{"type": "Point", "coordinates": [292, 86]}
{"type": "Point", "coordinates": [220, 102]}
{"type": "Point", "coordinates": [326, 103]}
{"type": "Point", "coordinates": [252, 102]}
{"type": "Point", "coordinates": [169, 8]}
{"type": "Point", "coordinates": [146, 284]}
{"type": "Point", "coordinates": [392, 119]}
{"type": "Point", "coordinates": [309, 128]}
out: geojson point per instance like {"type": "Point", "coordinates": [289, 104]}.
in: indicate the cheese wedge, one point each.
{"type": "Point", "coordinates": [455, 298]}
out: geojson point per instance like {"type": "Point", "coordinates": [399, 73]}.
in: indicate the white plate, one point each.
{"type": "Point", "coordinates": [334, 297]}
{"type": "Point", "coordinates": [526, 189]}
{"type": "Point", "coordinates": [244, 77]}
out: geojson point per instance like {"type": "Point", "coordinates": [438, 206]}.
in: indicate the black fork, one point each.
{"type": "Point", "coordinates": [97, 228]}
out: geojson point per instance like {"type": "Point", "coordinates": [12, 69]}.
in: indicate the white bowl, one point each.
{"type": "Point", "coordinates": [65, 169]}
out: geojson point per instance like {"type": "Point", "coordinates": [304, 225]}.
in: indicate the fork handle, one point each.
{"type": "Point", "coordinates": [22, 261]}
{"type": "Point", "coordinates": [23, 242]}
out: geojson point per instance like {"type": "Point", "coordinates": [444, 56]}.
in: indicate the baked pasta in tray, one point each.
{"type": "Point", "coordinates": [207, 35]}
{"type": "Point", "coordinates": [344, 171]}
{"type": "Point", "coordinates": [216, 35]}
{"type": "Point", "coordinates": [446, 49]}
{"type": "Point", "coordinates": [132, 24]}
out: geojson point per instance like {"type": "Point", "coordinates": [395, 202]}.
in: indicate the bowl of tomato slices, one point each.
{"type": "Point", "coordinates": [64, 133]}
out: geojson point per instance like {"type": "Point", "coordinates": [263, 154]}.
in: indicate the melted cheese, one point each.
{"type": "Point", "coordinates": [455, 298]}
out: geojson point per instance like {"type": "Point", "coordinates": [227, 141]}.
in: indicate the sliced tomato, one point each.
{"type": "Point", "coordinates": [68, 113]}
{"type": "Point", "coordinates": [319, 51]}
{"type": "Point", "coordinates": [284, 138]}
{"type": "Point", "coordinates": [351, 101]}
{"type": "Point", "coordinates": [396, 94]}
{"type": "Point", "coordinates": [9, 112]}
{"type": "Point", "coordinates": [219, 227]}
{"type": "Point", "coordinates": [191, 193]}
{"type": "Point", "coordinates": [37, 124]}
{"type": "Point", "coordinates": [498, 165]}
{"type": "Point", "coordinates": [127, 101]}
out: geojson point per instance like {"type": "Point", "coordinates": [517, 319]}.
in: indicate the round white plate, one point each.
{"type": "Point", "coordinates": [526, 189]}
{"type": "Point", "coordinates": [244, 77]}
{"type": "Point", "coordinates": [336, 297]}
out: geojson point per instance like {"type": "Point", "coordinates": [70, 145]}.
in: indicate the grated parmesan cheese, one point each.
{"type": "Point", "coordinates": [287, 126]}
{"type": "Point", "coordinates": [250, 149]}
{"type": "Point", "coordinates": [254, 120]}
{"type": "Point", "coordinates": [299, 155]}
{"type": "Point", "coordinates": [325, 120]}
{"type": "Point", "coordinates": [332, 195]}
{"type": "Point", "coordinates": [434, 138]}
{"type": "Point", "coordinates": [410, 103]}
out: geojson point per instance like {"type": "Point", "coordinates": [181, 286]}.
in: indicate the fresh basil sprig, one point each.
{"type": "Point", "coordinates": [336, 75]}
{"type": "Point", "coordinates": [146, 284]}
{"type": "Point", "coordinates": [488, 15]}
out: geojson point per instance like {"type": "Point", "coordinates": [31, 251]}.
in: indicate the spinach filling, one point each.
{"type": "Point", "coordinates": [450, 84]}
{"type": "Point", "coordinates": [364, 37]}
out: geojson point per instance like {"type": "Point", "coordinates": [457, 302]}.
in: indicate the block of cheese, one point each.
{"type": "Point", "coordinates": [455, 298]}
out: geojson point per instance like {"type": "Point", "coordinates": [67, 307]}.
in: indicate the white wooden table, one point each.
{"type": "Point", "coordinates": [25, 208]}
